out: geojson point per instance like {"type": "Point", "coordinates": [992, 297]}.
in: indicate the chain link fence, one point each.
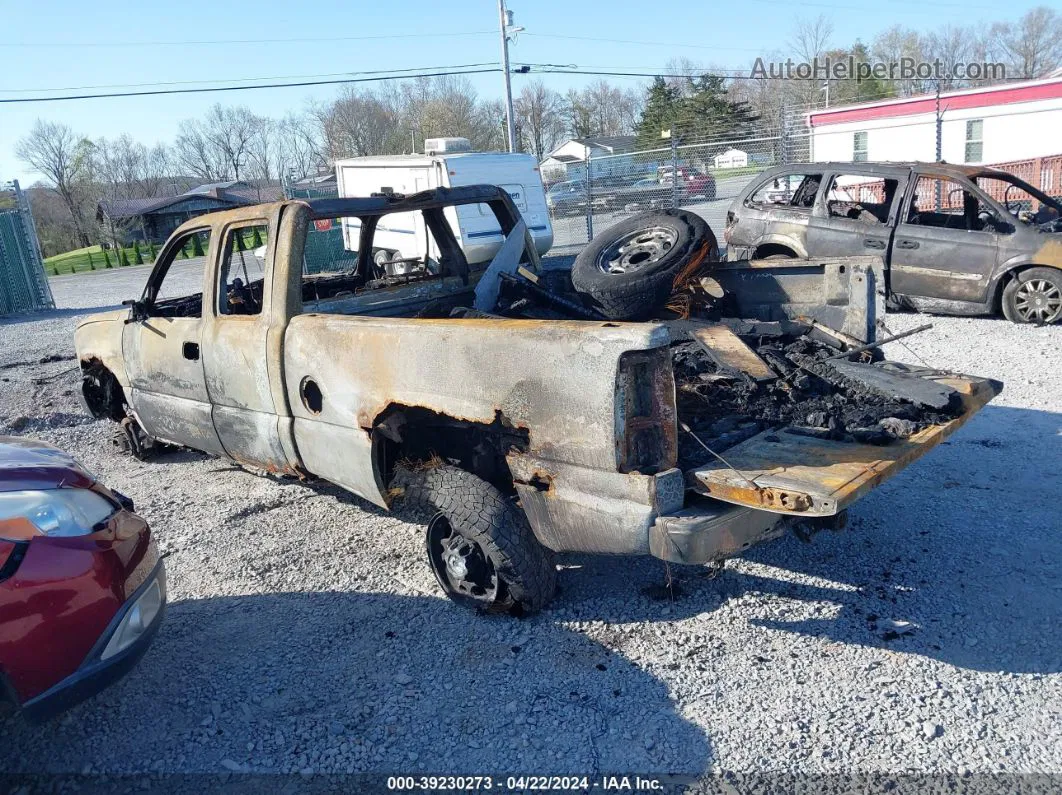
{"type": "Point", "coordinates": [23, 285]}
{"type": "Point", "coordinates": [703, 177]}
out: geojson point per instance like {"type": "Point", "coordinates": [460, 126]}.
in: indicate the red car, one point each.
{"type": "Point", "coordinates": [82, 587]}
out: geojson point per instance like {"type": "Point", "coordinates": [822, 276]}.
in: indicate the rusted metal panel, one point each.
{"type": "Point", "coordinates": [729, 351]}
{"type": "Point", "coordinates": [844, 293]}
{"type": "Point", "coordinates": [575, 508]}
{"type": "Point", "coordinates": [555, 378]}
{"type": "Point", "coordinates": [99, 337]}
{"type": "Point", "coordinates": [795, 474]}
{"type": "Point", "coordinates": [342, 455]}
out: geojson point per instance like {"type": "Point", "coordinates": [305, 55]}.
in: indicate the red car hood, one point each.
{"type": "Point", "coordinates": [32, 464]}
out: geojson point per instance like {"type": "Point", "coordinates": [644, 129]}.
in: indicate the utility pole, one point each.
{"type": "Point", "coordinates": [505, 19]}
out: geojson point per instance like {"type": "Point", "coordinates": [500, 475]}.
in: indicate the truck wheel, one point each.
{"type": "Point", "coordinates": [1034, 296]}
{"type": "Point", "coordinates": [382, 256]}
{"type": "Point", "coordinates": [481, 549]}
{"type": "Point", "coordinates": [629, 269]}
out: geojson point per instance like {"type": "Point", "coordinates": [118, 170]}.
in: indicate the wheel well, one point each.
{"type": "Point", "coordinates": [104, 396]}
{"type": "Point", "coordinates": [416, 435]}
{"type": "Point", "coordinates": [1007, 277]}
{"type": "Point", "coordinates": [773, 250]}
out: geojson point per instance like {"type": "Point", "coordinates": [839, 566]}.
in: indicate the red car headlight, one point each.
{"type": "Point", "coordinates": [57, 512]}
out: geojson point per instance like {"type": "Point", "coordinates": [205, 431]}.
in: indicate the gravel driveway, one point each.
{"type": "Point", "coordinates": [305, 632]}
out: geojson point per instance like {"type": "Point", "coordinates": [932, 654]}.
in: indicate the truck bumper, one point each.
{"type": "Point", "coordinates": [577, 509]}
{"type": "Point", "coordinates": [710, 530]}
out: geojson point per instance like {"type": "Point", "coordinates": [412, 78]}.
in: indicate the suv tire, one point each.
{"type": "Point", "coordinates": [1034, 295]}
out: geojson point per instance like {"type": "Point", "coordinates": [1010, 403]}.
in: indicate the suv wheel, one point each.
{"type": "Point", "coordinates": [1034, 296]}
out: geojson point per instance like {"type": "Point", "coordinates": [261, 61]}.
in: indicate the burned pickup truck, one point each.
{"type": "Point", "coordinates": [647, 400]}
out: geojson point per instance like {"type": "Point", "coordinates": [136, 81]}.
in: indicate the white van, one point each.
{"type": "Point", "coordinates": [403, 235]}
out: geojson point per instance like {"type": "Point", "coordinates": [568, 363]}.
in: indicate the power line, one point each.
{"type": "Point", "coordinates": [214, 42]}
{"type": "Point", "coordinates": [251, 79]}
{"type": "Point", "coordinates": [216, 89]}
{"type": "Point", "coordinates": [643, 43]}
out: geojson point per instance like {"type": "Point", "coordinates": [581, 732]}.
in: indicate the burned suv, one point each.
{"type": "Point", "coordinates": [955, 239]}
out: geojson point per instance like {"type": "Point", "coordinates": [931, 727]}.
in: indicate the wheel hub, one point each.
{"type": "Point", "coordinates": [460, 565]}
{"type": "Point", "coordinates": [1039, 301]}
{"type": "Point", "coordinates": [637, 250]}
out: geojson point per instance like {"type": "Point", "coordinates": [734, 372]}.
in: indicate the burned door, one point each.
{"type": "Point", "coordinates": [946, 245]}
{"type": "Point", "coordinates": [240, 375]}
{"type": "Point", "coordinates": [855, 215]}
{"type": "Point", "coordinates": [162, 347]}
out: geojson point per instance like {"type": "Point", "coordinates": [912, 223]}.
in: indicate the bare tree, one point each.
{"type": "Point", "coordinates": [64, 158]}
{"type": "Point", "coordinates": [1033, 45]}
{"type": "Point", "coordinates": [810, 40]}
{"type": "Point", "coordinates": [538, 111]}
{"type": "Point", "coordinates": [217, 146]}
{"type": "Point", "coordinates": [894, 45]}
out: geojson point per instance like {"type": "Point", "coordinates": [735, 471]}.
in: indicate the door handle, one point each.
{"type": "Point", "coordinates": [191, 351]}
{"type": "Point", "coordinates": [907, 244]}
{"type": "Point", "coordinates": [870, 242]}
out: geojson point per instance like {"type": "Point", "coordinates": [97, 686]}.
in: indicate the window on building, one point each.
{"type": "Point", "coordinates": [859, 147]}
{"type": "Point", "coordinates": [243, 270]}
{"type": "Point", "coordinates": [975, 140]}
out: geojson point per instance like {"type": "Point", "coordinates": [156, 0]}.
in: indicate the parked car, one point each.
{"type": "Point", "coordinates": [528, 434]}
{"type": "Point", "coordinates": [955, 239]}
{"type": "Point", "coordinates": [566, 198]}
{"type": "Point", "coordinates": [82, 587]}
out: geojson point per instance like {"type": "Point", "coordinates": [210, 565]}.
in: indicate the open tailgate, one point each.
{"type": "Point", "coordinates": [789, 473]}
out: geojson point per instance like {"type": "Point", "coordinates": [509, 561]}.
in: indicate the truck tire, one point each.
{"type": "Point", "coordinates": [481, 549]}
{"type": "Point", "coordinates": [629, 269]}
{"type": "Point", "coordinates": [1034, 296]}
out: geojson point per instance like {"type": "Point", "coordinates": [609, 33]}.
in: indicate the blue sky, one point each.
{"type": "Point", "coordinates": [58, 43]}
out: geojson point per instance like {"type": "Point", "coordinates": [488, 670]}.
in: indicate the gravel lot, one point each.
{"type": "Point", "coordinates": [305, 632]}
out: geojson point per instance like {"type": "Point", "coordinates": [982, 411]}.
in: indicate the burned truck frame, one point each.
{"type": "Point", "coordinates": [530, 433]}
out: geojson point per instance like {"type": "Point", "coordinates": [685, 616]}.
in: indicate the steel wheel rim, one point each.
{"type": "Point", "coordinates": [1038, 301]}
{"type": "Point", "coordinates": [637, 250]}
{"type": "Point", "coordinates": [460, 565]}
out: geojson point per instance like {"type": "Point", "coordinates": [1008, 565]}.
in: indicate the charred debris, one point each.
{"type": "Point", "coordinates": [737, 378]}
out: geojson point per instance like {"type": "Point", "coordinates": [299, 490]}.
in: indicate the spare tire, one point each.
{"type": "Point", "coordinates": [630, 269]}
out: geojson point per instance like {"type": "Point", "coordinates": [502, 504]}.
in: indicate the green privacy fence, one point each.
{"type": "Point", "coordinates": [23, 285]}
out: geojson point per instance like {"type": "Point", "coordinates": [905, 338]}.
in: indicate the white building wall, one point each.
{"type": "Point", "coordinates": [1010, 132]}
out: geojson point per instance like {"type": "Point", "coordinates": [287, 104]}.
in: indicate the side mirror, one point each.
{"type": "Point", "coordinates": [137, 311]}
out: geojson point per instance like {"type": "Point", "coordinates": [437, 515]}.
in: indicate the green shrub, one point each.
{"type": "Point", "coordinates": [256, 240]}
{"type": "Point", "coordinates": [91, 265]}
{"type": "Point", "coordinates": [197, 247]}
{"type": "Point", "coordinates": [138, 258]}
{"type": "Point", "coordinates": [154, 251]}
{"type": "Point", "coordinates": [123, 259]}
{"type": "Point", "coordinates": [106, 259]}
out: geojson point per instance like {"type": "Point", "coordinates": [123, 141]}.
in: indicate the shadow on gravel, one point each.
{"type": "Point", "coordinates": [958, 559]}
{"type": "Point", "coordinates": [366, 681]}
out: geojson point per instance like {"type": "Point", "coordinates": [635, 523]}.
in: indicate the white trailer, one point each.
{"type": "Point", "coordinates": [404, 235]}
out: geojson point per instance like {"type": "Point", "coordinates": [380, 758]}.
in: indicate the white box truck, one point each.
{"type": "Point", "coordinates": [447, 163]}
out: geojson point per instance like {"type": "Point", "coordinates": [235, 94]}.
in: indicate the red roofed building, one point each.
{"type": "Point", "coordinates": [997, 124]}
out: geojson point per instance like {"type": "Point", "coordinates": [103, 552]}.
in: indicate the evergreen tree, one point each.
{"type": "Point", "coordinates": [90, 261]}
{"type": "Point", "coordinates": [154, 251]}
{"type": "Point", "coordinates": [138, 258]}
{"type": "Point", "coordinates": [660, 113]}
{"type": "Point", "coordinates": [197, 246]}
{"type": "Point", "coordinates": [123, 258]}
{"type": "Point", "coordinates": [256, 239]}
{"type": "Point", "coordinates": [183, 251]}
{"type": "Point", "coordinates": [106, 258]}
